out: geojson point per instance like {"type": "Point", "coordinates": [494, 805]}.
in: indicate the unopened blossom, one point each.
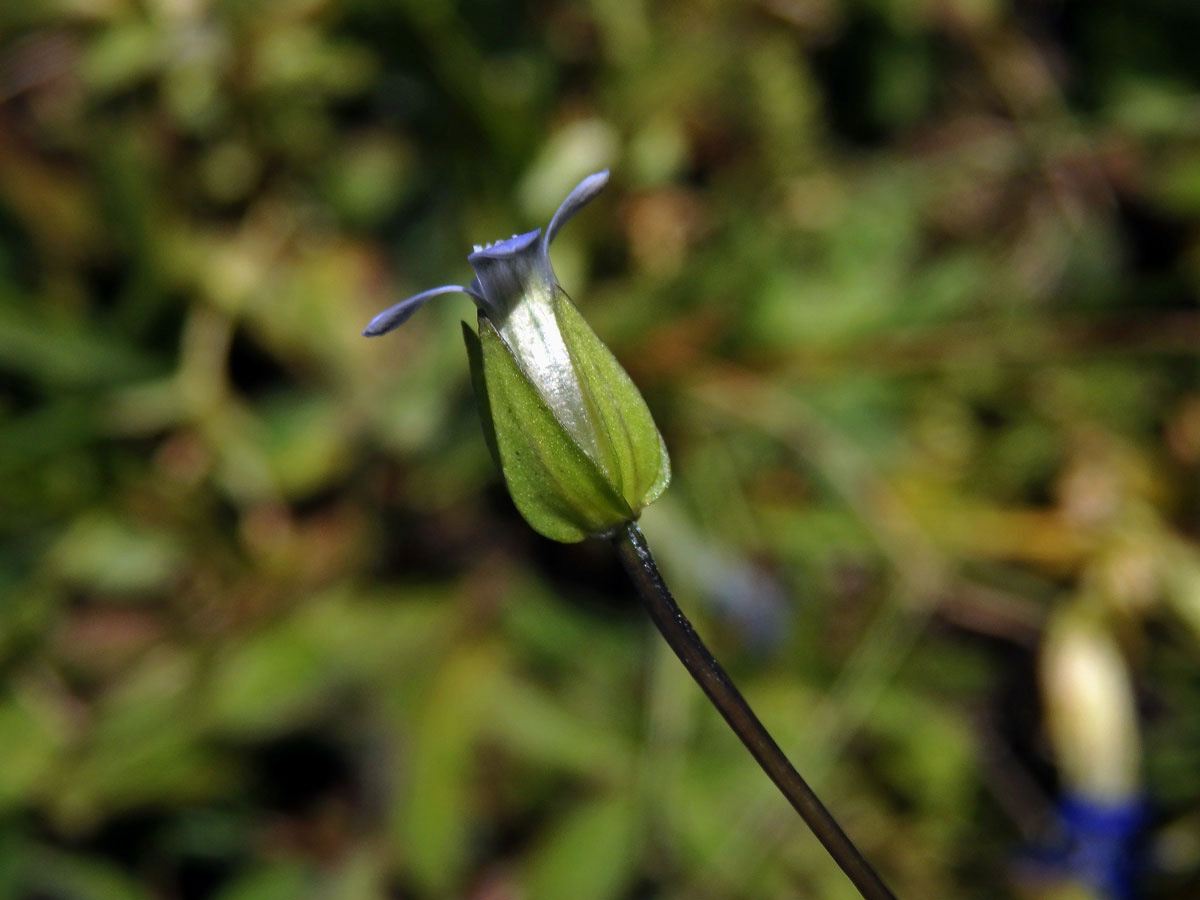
{"type": "Point", "coordinates": [575, 440]}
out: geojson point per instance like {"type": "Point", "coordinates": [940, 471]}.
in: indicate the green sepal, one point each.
{"type": "Point", "coordinates": [475, 363]}
{"type": "Point", "coordinates": [560, 490]}
{"type": "Point", "coordinates": [637, 459]}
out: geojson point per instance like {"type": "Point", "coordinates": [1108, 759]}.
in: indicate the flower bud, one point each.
{"type": "Point", "coordinates": [575, 440]}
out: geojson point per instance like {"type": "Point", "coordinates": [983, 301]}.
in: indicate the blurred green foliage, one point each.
{"type": "Point", "coordinates": [911, 288]}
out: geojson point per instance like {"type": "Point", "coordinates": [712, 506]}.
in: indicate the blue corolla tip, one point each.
{"type": "Point", "coordinates": [1100, 844]}
{"type": "Point", "coordinates": [508, 247]}
{"type": "Point", "coordinates": [504, 270]}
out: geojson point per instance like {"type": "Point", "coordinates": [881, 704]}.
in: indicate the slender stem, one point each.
{"type": "Point", "coordinates": [679, 633]}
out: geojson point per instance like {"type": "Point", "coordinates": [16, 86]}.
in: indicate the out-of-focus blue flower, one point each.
{"type": "Point", "coordinates": [575, 440]}
{"type": "Point", "coordinates": [1104, 840]}
{"type": "Point", "coordinates": [1098, 846]}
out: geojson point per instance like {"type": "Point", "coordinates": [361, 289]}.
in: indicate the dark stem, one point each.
{"type": "Point", "coordinates": [675, 627]}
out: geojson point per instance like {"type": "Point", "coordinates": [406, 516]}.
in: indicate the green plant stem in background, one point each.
{"type": "Point", "coordinates": [696, 658]}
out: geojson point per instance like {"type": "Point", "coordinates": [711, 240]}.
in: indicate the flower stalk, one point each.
{"type": "Point", "coordinates": [677, 629]}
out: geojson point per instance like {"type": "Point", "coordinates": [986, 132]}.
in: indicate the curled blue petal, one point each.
{"type": "Point", "coordinates": [576, 200]}
{"type": "Point", "coordinates": [397, 315]}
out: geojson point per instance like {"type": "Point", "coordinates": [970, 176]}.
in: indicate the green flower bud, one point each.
{"type": "Point", "coordinates": [575, 440]}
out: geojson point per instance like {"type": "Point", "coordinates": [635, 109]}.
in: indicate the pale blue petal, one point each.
{"type": "Point", "coordinates": [397, 315]}
{"type": "Point", "coordinates": [576, 200]}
